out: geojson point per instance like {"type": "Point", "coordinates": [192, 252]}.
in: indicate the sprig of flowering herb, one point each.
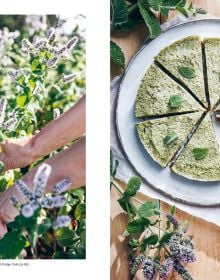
{"type": "Point", "coordinates": [56, 113]}
{"type": "Point", "coordinates": [67, 78]}
{"type": "Point", "coordinates": [171, 251]}
{"type": "Point", "coordinates": [37, 198]}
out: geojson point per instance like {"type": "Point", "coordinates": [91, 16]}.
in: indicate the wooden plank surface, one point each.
{"type": "Point", "coordinates": [206, 235]}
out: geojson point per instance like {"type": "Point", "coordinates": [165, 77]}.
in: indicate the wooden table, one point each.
{"type": "Point", "coordinates": [206, 235]}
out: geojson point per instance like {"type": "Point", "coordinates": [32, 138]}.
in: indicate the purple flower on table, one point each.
{"type": "Point", "coordinates": [166, 268]}
{"type": "Point", "coordinates": [136, 263]}
{"type": "Point", "coordinates": [182, 271]}
{"type": "Point", "coordinates": [148, 269]}
{"type": "Point", "coordinates": [173, 221]}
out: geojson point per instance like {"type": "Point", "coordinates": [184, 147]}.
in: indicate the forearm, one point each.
{"type": "Point", "coordinates": [68, 164]}
{"type": "Point", "coordinates": [60, 131]}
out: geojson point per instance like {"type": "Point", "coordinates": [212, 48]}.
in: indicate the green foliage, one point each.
{"type": "Point", "coordinates": [200, 153]}
{"type": "Point", "coordinates": [187, 72]}
{"type": "Point", "coordinates": [126, 14]}
{"type": "Point", "coordinates": [117, 55]}
{"type": "Point", "coordinates": [32, 95]}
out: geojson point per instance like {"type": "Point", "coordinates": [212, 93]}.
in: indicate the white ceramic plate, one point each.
{"type": "Point", "coordinates": [161, 179]}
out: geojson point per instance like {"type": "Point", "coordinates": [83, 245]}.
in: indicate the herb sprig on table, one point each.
{"type": "Point", "coordinates": [126, 14]}
{"type": "Point", "coordinates": [157, 242]}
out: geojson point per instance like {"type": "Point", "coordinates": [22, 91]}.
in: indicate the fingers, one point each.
{"type": "Point", "coordinates": [3, 229]}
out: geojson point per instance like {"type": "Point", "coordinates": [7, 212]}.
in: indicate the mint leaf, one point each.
{"type": "Point", "coordinates": [119, 12]}
{"type": "Point", "coordinates": [173, 209]}
{"type": "Point", "coordinates": [151, 240]}
{"type": "Point", "coordinates": [187, 72]}
{"type": "Point", "coordinates": [175, 101]}
{"type": "Point", "coordinates": [182, 11]}
{"type": "Point", "coordinates": [165, 238]}
{"type": "Point", "coordinates": [147, 209]}
{"type": "Point", "coordinates": [117, 55]}
{"type": "Point", "coordinates": [11, 245]}
{"type": "Point", "coordinates": [137, 225]}
{"type": "Point", "coordinates": [170, 138]}
{"type": "Point", "coordinates": [132, 187]}
{"type": "Point", "coordinates": [150, 20]}
{"type": "Point", "coordinates": [127, 205]}
{"type": "Point", "coordinates": [200, 153]}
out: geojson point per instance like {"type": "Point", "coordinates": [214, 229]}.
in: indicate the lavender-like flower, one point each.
{"type": "Point", "coordinates": [68, 78]}
{"type": "Point", "coordinates": [148, 269]}
{"type": "Point", "coordinates": [40, 179]}
{"type": "Point", "coordinates": [72, 43]}
{"type": "Point", "coordinates": [52, 61]}
{"type": "Point", "coordinates": [166, 268]}
{"type": "Point", "coordinates": [26, 44]}
{"type": "Point", "coordinates": [181, 248]}
{"type": "Point", "coordinates": [36, 198]}
{"type": "Point", "coordinates": [10, 124]}
{"type": "Point", "coordinates": [52, 35]}
{"type": "Point", "coordinates": [62, 186]}
{"type": "Point", "coordinates": [27, 211]}
{"type": "Point", "coordinates": [24, 190]}
{"type": "Point", "coordinates": [13, 73]}
{"type": "Point", "coordinates": [56, 113]}
{"type": "Point", "coordinates": [61, 221]}
{"type": "Point", "coordinates": [182, 271]}
{"type": "Point", "coordinates": [136, 264]}
{"type": "Point", "coordinates": [41, 44]}
{"type": "Point", "coordinates": [3, 104]}
{"type": "Point", "coordinates": [173, 221]}
{"type": "Point", "coordinates": [62, 50]}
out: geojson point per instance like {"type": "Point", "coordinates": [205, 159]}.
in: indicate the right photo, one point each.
{"type": "Point", "coordinates": [165, 139]}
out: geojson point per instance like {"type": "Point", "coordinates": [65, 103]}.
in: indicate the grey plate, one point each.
{"type": "Point", "coordinates": [161, 179]}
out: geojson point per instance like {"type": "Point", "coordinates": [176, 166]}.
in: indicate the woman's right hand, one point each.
{"type": "Point", "coordinates": [16, 153]}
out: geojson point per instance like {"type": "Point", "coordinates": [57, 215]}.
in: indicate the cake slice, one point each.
{"type": "Point", "coordinates": [158, 94]}
{"type": "Point", "coordinates": [163, 137]}
{"type": "Point", "coordinates": [200, 159]}
{"type": "Point", "coordinates": [183, 59]}
{"type": "Point", "coordinates": [212, 54]}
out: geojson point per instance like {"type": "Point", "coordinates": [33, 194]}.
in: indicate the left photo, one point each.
{"type": "Point", "coordinates": [42, 137]}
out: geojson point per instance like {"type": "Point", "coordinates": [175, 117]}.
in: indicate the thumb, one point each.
{"type": "Point", "coordinates": [3, 229]}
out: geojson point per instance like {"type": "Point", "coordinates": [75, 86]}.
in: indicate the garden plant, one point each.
{"type": "Point", "coordinates": [42, 75]}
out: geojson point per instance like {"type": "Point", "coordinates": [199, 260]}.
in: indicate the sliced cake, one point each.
{"type": "Point", "coordinates": [158, 94]}
{"type": "Point", "coordinates": [183, 59]}
{"type": "Point", "coordinates": [162, 138]}
{"type": "Point", "coordinates": [200, 159]}
{"type": "Point", "coordinates": [212, 53]}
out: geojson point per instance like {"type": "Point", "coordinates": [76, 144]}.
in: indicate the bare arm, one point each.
{"type": "Point", "coordinates": [68, 164]}
{"type": "Point", "coordinates": [68, 127]}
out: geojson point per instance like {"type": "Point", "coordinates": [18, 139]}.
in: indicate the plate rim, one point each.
{"type": "Point", "coordinates": [145, 43]}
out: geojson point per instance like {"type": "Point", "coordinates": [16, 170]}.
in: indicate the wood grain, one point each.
{"type": "Point", "coordinates": [206, 235]}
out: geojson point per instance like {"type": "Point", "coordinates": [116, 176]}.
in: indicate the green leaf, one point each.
{"type": "Point", "coordinates": [44, 226]}
{"type": "Point", "coordinates": [175, 101]}
{"type": "Point", "coordinates": [80, 211]}
{"type": "Point", "coordinates": [173, 209]}
{"type": "Point", "coordinates": [117, 55]}
{"type": "Point", "coordinates": [2, 166]}
{"type": "Point", "coordinates": [187, 72]}
{"type": "Point", "coordinates": [138, 225]}
{"type": "Point", "coordinates": [170, 138]}
{"type": "Point", "coordinates": [20, 100]}
{"type": "Point", "coordinates": [155, 4]}
{"type": "Point", "coordinates": [60, 255]}
{"type": "Point", "coordinates": [147, 209]}
{"type": "Point", "coordinates": [119, 12]}
{"type": "Point", "coordinates": [133, 243]}
{"type": "Point", "coordinates": [182, 11]}
{"type": "Point", "coordinates": [200, 153]}
{"type": "Point", "coordinates": [150, 20]}
{"type": "Point", "coordinates": [165, 238]}
{"type": "Point", "coordinates": [151, 240]}
{"type": "Point", "coordinates": [11, 245]}
{"type": "Point", "coordinates": [127, 205]}
{"type": "Point", "coordinates": [66, 237]}
{"type": "Point", "coordinates": [132, 187]}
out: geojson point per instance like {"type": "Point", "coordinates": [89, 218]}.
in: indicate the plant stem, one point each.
{"type": "Point", "coordinates": [132, 8]}
{"type": "Point", "coordinates": [117, 187]}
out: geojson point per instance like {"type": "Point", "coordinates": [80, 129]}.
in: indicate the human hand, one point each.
{"type": "Point", "coordinates": [16, 153]}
